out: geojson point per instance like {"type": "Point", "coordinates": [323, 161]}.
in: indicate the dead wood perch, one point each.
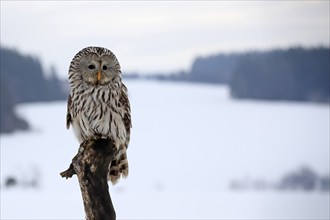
{"type": "Point", "coordinates": [91, 167]}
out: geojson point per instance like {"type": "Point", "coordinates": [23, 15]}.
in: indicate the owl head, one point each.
{"type": "Point", "coordinates": [94, 66]}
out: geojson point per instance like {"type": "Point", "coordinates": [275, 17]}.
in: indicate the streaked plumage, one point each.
{"type": "Point", "coordinates": [98, 104]}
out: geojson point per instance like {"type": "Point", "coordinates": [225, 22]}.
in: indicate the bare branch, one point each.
{"type": "Point", "coordinates": [91, 167]}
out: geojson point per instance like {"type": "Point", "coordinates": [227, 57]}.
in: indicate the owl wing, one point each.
{"type": "Point", "coordinates": [126, 116]}
{"type": "Point", "coordinates": [68, 115]}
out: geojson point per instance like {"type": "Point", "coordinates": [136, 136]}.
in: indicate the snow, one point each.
{"type": "Point", "coordinates": [188, 143]}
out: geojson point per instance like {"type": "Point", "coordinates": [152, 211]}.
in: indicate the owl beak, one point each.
{"type": "Point", "coordinates": [98, 75]}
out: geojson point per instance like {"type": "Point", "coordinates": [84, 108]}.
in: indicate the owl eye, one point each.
{"type": "Point", "coordinates": [104, 67]}
{"type": "Point", "coordinates": [91, 67]}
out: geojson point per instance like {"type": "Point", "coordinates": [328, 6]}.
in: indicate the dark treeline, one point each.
{"type": "Point", "coordinates": [23, 80]}
{"type": "Point", "coordinates": [214, 69]}
{"type": "Point", "coordinates": [9, 121]}
{"type": "Point", "coordinates": [293, 74]}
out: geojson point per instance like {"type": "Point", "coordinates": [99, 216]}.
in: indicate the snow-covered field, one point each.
{"type": "Point", "coordinates": [188, 143]}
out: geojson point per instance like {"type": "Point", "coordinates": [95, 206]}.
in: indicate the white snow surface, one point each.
{"type": "Point", "coordinates": [188, 142]}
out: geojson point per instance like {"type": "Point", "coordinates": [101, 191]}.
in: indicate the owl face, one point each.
{"type": "Point", "coordinates": [94, 66]}
{"type": "Point", "coordinates": [96, 69]}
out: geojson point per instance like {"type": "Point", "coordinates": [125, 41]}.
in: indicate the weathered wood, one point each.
{"type": "Point", "coordinates": [91, 167]}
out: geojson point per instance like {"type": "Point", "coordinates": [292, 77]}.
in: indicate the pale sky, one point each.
{"type": "Point", "coordinates": [159, 36]}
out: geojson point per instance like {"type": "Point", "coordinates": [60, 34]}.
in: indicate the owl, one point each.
{"type": "Point", "coordinates": [98, 105]}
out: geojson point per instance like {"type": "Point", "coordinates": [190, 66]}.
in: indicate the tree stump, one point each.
{"type": "Point", "coordinates": [91, 167]}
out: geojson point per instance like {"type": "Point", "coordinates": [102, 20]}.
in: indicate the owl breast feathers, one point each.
{"type": "Point", "coordinates": [98, 105]}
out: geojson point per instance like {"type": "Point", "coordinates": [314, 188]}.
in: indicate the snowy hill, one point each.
{"type": "Point", "coordinates": [188, 143]}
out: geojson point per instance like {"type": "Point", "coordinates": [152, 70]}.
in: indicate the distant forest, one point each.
{"type": "Point", "coordinates": [294, 74]}
{"type": "Point", "coordinates": [298, 74]}
{"type": "Point", "coordinates": [24, 80]}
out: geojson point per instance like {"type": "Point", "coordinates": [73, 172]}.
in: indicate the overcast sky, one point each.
{"type": "Point", "coordinates": [159, 36]}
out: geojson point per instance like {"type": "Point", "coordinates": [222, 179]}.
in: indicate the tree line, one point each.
{"type": "Point", "coordinates": [293, 74]}
{"type": "Point", "coordinates": [300, 74]}
{"type": "Point", "coordinates": [24, 80]}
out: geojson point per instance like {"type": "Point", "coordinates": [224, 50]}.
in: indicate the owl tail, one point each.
{"type": "Point", "coordinates": [118, 166]}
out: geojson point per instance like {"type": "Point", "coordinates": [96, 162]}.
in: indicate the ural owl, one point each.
{"type": "Point", "coordinates": [98, 104]}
